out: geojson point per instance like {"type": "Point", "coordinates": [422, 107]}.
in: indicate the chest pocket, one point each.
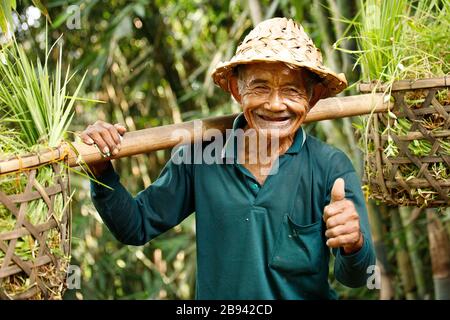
{"type": "Point", "coordinates": [298, 249]}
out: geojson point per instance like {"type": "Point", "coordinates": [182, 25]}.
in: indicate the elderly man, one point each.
{"type": "Point", "coordinates": [261, 233]}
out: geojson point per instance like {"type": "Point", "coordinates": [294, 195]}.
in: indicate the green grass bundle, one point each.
{"type": "Point", "coordinates": [35, 112]}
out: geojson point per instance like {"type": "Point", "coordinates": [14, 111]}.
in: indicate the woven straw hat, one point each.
{"type": "Point", "coordinates": [281, 40]}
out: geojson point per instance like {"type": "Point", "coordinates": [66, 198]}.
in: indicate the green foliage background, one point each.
{"type": "Point", "coordinates": [150, 61]}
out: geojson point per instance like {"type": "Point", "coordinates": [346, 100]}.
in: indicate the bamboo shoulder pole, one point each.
{"type": "Point", "coordinates": [165, 137]}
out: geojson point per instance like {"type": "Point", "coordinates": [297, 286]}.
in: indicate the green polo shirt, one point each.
{"type": "Point", "coordinates": [253, 241]}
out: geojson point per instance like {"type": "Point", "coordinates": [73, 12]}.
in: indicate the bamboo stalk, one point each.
{"type": "Point", "coordinates": [255, 11]}
{"type": "Point", "coordinates": [405, 270]}
{"type": "Point", "coordinates": [323, 27]}
{"type": "Point", "coordinates": [439, 253]}
{"type": "Point", "coordinates": [411, 243]}
{"type": "Point", "coordinates": [165, 137]}
{"type": "Point", "coordinates": [387, 291]}
{"type": "Point", "coordinates": [447, 223]}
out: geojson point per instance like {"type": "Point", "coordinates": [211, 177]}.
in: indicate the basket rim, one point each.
{"type": "Point", "coordinates": [402, 85]}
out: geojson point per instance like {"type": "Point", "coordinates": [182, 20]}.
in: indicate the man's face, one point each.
{"type": "Point", "coordinates": [274, 98]}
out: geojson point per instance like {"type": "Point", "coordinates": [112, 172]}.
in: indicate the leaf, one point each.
{"type": "Point", "coordinates": [43, 9]}
{"type": "Point", "coordinates": [5, 16]}
{"type": "Point", "coordinates": [392, 115]}
{"type": "Point", "coordinates": [139, 10]}
{"type": "Point", "coordinates": [60, 19]}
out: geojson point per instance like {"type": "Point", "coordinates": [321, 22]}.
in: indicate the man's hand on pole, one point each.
{"type": "Point", "coordinates": [107, 138]}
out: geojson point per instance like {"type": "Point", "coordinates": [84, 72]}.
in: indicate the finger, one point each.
{"type": "Point", "coordinates": [120, 128]}
{"type": "Point", "coordinates": [114, 133]}
{"type": "Point", "coordinates": [342, 218]}
{"type": "Point", "coordinates": [343, 240]}
{"type": "Point", "coordinates": [98, 140]}
{"type": "Point", "coordinates": [336, 208]}
{"type": "Point", "coordinates": [330, 211]}
{"type": "Point", "coordinates": [107, 137]}
{"type": "Point", "coordinates": [86, 139]}
{"type": "Point", "coordinates": [338, 190]}
{"type": "Point", "coordinates": [340, 230]}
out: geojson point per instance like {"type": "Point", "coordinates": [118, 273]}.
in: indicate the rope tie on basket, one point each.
{"type": "Point", "coordinates": [63, 152]}
{"type": "Point", "coordinates": [17, 180]}
{"type": "Point", "coordinates": [19, 158]}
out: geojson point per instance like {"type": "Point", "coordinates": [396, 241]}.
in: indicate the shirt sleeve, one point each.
{"type": "Point", "coordinates": [352, 270]}
{"type": "Point", "coordinates": [161, 206]}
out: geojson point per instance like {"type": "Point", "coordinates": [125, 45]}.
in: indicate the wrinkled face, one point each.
{"type": "Point", "coordinates": [274, 98]}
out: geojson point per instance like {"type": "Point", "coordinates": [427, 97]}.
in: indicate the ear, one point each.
{"type": "Point", "coordinates": [233, 86]}
{"type": "Point", "coordinates": [319, 91]}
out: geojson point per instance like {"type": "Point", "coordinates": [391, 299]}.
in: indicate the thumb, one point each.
{"type": "Point", "coordinates": [338, 190]}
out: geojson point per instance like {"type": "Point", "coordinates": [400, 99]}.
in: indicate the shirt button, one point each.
{"type": "Point", "coordinates": [255, 186]}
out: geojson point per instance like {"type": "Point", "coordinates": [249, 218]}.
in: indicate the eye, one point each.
{"type": "Point", "coordinates": [291, 91]}
{"type": "Point", "coordinates": [261, 89]}
{"type": "Point", "coordinates": [294, 92]}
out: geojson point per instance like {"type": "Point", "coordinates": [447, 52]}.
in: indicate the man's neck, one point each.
{"type": "Point", "coordinates": [260, 161]}
{"type": "Point", "coordinates": [272, 148]}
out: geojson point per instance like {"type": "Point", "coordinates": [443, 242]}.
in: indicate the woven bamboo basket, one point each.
{"type": "Point", "coordinates": [404, 176]}
{"type": "Point", "coordinates": [41, 273]}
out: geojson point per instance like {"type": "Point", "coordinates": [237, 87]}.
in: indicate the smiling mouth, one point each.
{"type": "Point", "coordinates": [274, 118]}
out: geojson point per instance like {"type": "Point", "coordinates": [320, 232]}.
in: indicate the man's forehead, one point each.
{"type": "Point", "coordinates": [264, 69]}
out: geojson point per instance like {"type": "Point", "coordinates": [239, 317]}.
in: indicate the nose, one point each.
{"type": "Point", "coordinates": [275, 102]}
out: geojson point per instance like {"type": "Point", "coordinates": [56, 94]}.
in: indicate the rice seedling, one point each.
{"type": "Point", "coordinates": [404, 40]}
{"type": "Point", "coordinates": [36, 111]}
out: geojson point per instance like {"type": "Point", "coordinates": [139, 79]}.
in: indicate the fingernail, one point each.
{"type": "Point", "coordinates": [89, 141]}
{"type": "Point", "coordinates": [106, 151]}
{"type": "Point", "coordinates": [115, 151]}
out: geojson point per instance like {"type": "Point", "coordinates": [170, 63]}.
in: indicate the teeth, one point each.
{"type": "Point", "coordinates": [274, 119]}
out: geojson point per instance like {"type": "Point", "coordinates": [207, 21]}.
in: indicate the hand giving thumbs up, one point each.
{"type": "Point", "coordinates": [342, 221]}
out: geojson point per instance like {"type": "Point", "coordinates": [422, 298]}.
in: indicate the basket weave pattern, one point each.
{"type": "Point", "coordinates": [383, 174]}
{"type": "Point", "coordinates": [45, 273]}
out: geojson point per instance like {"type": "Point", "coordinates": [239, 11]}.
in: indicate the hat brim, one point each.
{"type": "Point", "coordinates": [333, 82]}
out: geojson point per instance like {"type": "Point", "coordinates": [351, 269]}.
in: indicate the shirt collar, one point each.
{"type": "Point", "coordinates": [229, 149]}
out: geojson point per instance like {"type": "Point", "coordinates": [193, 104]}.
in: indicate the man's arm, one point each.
{"type": "Point", "coordinates": [348, 227]}
{"type": "Point", "coordinates": [137, 220]}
